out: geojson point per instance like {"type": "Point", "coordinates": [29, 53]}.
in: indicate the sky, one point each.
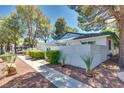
{"type": "Point", "coordinates": [52, 11]}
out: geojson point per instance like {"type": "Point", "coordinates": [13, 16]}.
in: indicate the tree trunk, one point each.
{"type": "Point", "coordinates": [45, 50]}
{"type": "Point", "coordinates": [30, 34]}
{"type": "Point", "coordinates": [15, 48]}
{"type": "Point", "coordinates": [2, 51]}
{"type": "Point", "coordinates": [31, 37]}
{"type": "Point", "coordinates": [45, 40]}
{"type": "Point", "coordinates": [35, 35]}
{"type": "Point", "coordinates": [121, 49]}
{"type": "Point", "coordinates": [8, 47]}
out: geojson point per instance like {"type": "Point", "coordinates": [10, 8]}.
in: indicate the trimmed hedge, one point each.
{"type": "Point", "coordinates": [53, 56]}
{"type": "Point", "coordinates": [35, 54]}
{"type": "Point", "coordinates": [26, 52]}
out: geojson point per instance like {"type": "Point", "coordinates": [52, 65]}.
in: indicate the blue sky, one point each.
{"type": "Point", "coordinates": [52, 11]}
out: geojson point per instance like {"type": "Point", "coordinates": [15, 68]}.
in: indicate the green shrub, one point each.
{"type": "Point", "coordinates": [53, 56]}
{"type": "Point", "coordinates": [26, 52]}
{"type": "Point", "coordinates": [9, 58]}
{"type": "Point", "coordinates": [36, 54]}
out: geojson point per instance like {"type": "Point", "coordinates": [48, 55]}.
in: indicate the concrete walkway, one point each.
{"type": "Point", "coordinates": [59, 79]}
{"type": "Point", "coordinates": [121, 76]}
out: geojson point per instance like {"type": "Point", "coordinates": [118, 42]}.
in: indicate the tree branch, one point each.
{"type": "Point", "coordinates": [113, 12]}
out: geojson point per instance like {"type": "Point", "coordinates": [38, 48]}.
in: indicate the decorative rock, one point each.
{"type": "Point", "coordinates": [3, 70]}
{"type": "Point", "coordinates": [121, 76]}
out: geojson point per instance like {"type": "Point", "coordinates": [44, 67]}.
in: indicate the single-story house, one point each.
{"type": "Point", "coordinates": [71, 38]}
{"type": "Point", "coordinates": [74, 45]}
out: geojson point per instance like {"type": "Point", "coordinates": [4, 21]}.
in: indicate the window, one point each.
{"type": "Point", "coordinates": [109, 44]}
{"type": "Point", "coordinates": [88, 42]}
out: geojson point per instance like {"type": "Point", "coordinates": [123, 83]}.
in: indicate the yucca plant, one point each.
{"type": "Point", "coordinates": [9, 59]}
{"type": "Point", "coordinates": [87, 59]}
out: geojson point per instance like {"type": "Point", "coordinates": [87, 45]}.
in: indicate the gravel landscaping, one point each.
{"type": "Point", "coordinates": [105, 75]}
{"type": "Point", "coordinates": [26, 77]}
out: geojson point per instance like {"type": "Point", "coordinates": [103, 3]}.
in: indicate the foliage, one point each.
{"type": "Point", "coordinates": [60, 26]}
{"type": "Point", "coordinates": [10, 60]}
{"type": "Point", "coordinates": [53, 56]}
{"type": "Point", "coordinates": [11, 31]}
{"type": "Point", "coordinates": [8, 57]}
{"type": "Point", "coordinates": [26, 42]}
{"type": "Point", "coordinates": [87, 59]}
{"type": "Point", "coordinates": [114, 33]}
{"type": "Point", "coordinates": [70, 29]}
{"type": "Point", "coordinates": [30, 16]}
{"type": "Point", "coordinates": [26, 53]}
{"type": "Point", "coordinates": [98, 17]}
{"type": "Point", "coordinates": [44, 28]}
{"type": "Point", "coordinates": [114, 37]}
{"type": "Point", "coordinates": [12, 28]}
{"type": "Point", "coordinates": [92, 17]}
{"type": "Point", "coordinates": [35, 54]}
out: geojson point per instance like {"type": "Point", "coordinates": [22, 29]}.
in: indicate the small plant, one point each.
{"type": "Point", "coordinates": [11, 69]}
{"type": "Point", "coordinates": [9, 59]}
{"type": "Point", "coordinates": [53, 56]}
{"type": "Point", "coordinates": [63, 61]}
{"type": "Point", "coordinates": [88, 62]}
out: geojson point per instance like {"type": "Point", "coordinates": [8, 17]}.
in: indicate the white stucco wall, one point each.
{"type": "Point", "coordinates": [99, 53]}
{"type": "Point", "coordinates": [101, 41]}
{"type": "Point", "coordinates": [73, 54]}
{"type": "Point", "coordinates": [44, 46]}
{"type": "Point", "coordinates": [75, 49]}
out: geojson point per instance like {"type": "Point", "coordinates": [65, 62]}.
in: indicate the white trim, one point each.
{"type": "Point", "coordinates": [88, 38]}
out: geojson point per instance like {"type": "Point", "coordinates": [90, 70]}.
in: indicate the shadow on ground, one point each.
{"type": "Point", "coordinates": [105, 75]}
{"type": "Point", "coordinates": [29, 80]}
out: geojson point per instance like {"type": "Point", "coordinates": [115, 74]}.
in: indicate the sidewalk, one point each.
{"type": "Point", "coordinates": [57, 78]}
{"type": "Point", "coordinates": [121, 76]}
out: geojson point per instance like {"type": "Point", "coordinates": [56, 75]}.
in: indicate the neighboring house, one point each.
{"type": "Point", "coordinates": [75, 45]}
